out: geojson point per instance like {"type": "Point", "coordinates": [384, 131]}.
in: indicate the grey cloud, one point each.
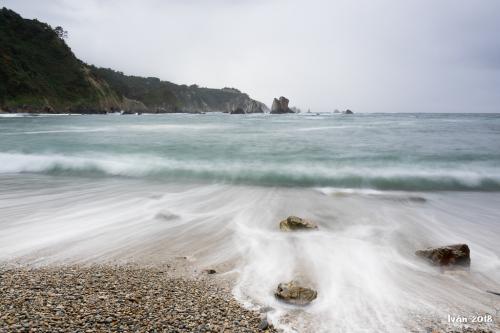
{"type": "Point", "coordinates": [370, 56]}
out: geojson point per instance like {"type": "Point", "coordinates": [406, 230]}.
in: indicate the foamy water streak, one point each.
{"type": "Point", "coordinates": [361, 260]}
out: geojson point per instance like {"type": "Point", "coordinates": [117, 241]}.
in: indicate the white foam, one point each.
{"type": "Point", "coordinates": [251, 171]}
{"type": "Point", "coordinates": [361, 260]}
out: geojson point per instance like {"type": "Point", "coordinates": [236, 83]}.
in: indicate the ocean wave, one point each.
{"type": "Point", "coordinates": [261, 173]}
{"type": "Point", "coordinates": [172, 127]}
{"type": "Point", "coordinates": [81, 130]}
{"type": "Point", "coordinates": [21, 115]}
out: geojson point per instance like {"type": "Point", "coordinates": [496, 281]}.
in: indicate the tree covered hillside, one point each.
{"type": "Point", "coordinates": [38, 70]}
{"type": "Point", "coordinates": [40, 73]}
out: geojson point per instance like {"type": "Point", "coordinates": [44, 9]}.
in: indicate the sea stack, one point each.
{"type": "Point", "coordinates": [280, 106]}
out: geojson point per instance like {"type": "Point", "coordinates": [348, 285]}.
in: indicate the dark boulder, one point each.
{"type": "Point", "coordinates": [348, 112]}
{"type": "Point", "coordinates": [264, 324]}
{"type": "Point", "coordinates": [209, 271]}
{"type": "Point", "coordinates": [451, 255]}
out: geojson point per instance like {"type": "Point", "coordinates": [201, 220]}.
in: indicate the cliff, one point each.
{"type": "Point", "coordinates": [40, 73]}
{"type": "Point", "coordinates": [163, 96]}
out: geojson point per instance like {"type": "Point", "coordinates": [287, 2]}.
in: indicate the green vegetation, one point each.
{"type": "Point", "coordinates": [148, 90]}
{"type": "Point", "coordinates": [160, 95]}
{"type": "Point", "coordinates": [39, 72]}
{"type": "Point", "coordinates": [38, 69]}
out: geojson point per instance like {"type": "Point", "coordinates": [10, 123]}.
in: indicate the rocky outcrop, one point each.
{"type": "Point", "coordinates": [293, 223]}
{"type": "Point", "coordinates": [348, 112]}
{"type": "Point", "coordinates": [252, 106]}
{"type": "Point", "coordinates": [243, 106]}
{"type": "Point", "coordinates": [227, 100]}
{"type": "Point", "coordinates": [132, 105]}
{"type": "Point", "coordinates": [293, 293]}
{"type": "Point", "coordinates": [237, 111]}
{"type": "Point", "coordinates": [451, 255]}
{"type": "Point", "coordinates": [280, 106]}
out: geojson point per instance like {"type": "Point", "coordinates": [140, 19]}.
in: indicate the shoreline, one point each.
{"type": "Point", "coordinates": [153, 228]}
{"type": "Point", "coordinates": [124, 298]}
{"type": "Point", "coordinates": [173, 297]}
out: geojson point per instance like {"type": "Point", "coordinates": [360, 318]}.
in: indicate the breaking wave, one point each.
{"type": "Point", "coordinates": [261, 173]}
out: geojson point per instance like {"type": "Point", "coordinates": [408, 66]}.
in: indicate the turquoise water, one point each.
{"type": "Point", "coordinates": [374, 151]}
{"type": "Point", "coordinates": [213, 188]}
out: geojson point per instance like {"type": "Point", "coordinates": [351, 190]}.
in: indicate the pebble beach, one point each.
{"type": "Point", "coordinates": [118, 299]}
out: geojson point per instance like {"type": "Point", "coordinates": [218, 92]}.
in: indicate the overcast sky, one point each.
{"type": "Point", "coordinates": [366, 55]}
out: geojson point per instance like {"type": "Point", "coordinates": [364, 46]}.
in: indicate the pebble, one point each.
{"type": "Point", "coordinates": [104, 298]}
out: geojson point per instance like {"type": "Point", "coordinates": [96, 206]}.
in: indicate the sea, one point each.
{"type": "Point", "coordinates": [83, 189]}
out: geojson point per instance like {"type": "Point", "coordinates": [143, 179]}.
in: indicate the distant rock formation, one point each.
{"type": "Point", "coordinates": [451, 255]}
{"type": "Point", "coordinates": [237, 111]}
{"type": "Point", "coordinates": [253, 106]}
{"type": "Point", "coordinates": [348, 112]}
{"type": "Point", "coordinates": [280, 106]}
{"type": "Point", "coordinates": [242, 104]}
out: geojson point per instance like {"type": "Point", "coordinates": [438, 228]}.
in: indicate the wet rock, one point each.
{"type": "Point", "coordinates": [264, 324]}
{"type": "Point", "coordinates": [293, 293]}
{"type": "Point", "coordinates": [416, 199]}
{"type": "Point", "coordinates": [296, 223]}
{"type": "Point", "coordinates": [266, 309]}
{"type": "Point", "coordinates": [209, 271]}
{"type": "Point", "coordinates": [166, 216]}
{"type": "Point", "coordinates": [404, 199]}
{"type": "Point", "coordinates": [451, 255]}
{"type": "Point", "coordinates": [237, 111]}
